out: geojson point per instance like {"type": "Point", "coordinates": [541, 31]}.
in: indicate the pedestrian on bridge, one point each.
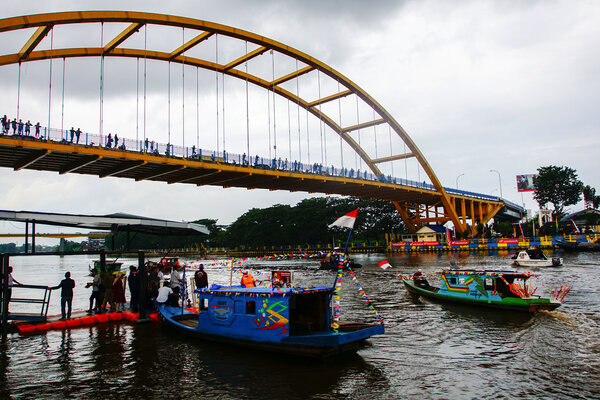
{"type": "Point", "coordinates": [37, 129]}
{"type": "Point", "coordinates": [66, 295]}
{"type": "Point", "coordinates": [21, 127]}
{"type": "Point", "coordinates": [14, 126]}
{"type": "Point", "coordinates": [77, 134]}
{"type": "Point", "coordinates": [4, 124]}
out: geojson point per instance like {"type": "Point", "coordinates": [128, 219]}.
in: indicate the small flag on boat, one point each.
{"type": "Point", "coordinates": [384, 264]}
{"type": "Point", "coordinates": [347, 220]}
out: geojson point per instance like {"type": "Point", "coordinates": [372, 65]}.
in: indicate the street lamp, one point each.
{"type": "Point", "coordinates": [457, 180]}
{"type": "Point", "coordinates": [499, 180]}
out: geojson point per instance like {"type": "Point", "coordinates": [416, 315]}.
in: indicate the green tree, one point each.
{"type": "Point", "coordinates": [590, 198]}
{"type": "Point", "coordinates": [559, 186]}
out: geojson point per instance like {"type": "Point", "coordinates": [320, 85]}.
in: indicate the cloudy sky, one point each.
{"type": "Point", "coordinates": [478, 85]}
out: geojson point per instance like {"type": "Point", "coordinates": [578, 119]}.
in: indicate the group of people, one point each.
{"type": "Point", "coordinates": [19, 127]}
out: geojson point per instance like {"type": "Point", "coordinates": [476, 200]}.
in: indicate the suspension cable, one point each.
{"type": "Point", "coordinates": [137, 102]}
{"type": "Point", "coordinates": [359, 163]}
{"type": "Point", "coordinates": [145, 80]}
{"type": "Point", "coordinates": [50, 80]}
{"type": "Point", "coordinates": [217, 83]}
{"type": "Point", "coordinates": [62, 113]}
{"type": "Point", "coordinates": [269, 120]}
{"type": "Point", "coordinates": [101, 84]}
{"type": "Point", "coordinates": [298, 112]}
{"type": "Point", "coordinates": [19, 90]}
{"type": "Point", "coordinates": [274, 114]}
{"type": "Point", "coordinates": [391, 152]}
{"type": "Point", "coordinates": [307, 138]}
{"type": "Point", "coordinates": [247, 110]}
{"type": "Point", "coordinates": [340, 119]}
{"type": "Point", "coordinates": [183, 91]}
{"type": "Point", "coordinates": [405, 165]}
{"type": "Point", "coordinates": [375, 135]}
{"type": "Point", "coordinates": [289, 130]}
{"type": "Point", "coordinates": [197, 111]}
{"type": "Point", "coordinates": [223, 109]}
{"type": "Point", "coordinates": [323, 162]}
{"type": "Point", "coordinates": [169, 104]}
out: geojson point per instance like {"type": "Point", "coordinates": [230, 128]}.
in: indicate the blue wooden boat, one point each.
{"type": "Point", "coordinates": [497, 289]}
{"type": "Point", "coordinates": [289, 320]}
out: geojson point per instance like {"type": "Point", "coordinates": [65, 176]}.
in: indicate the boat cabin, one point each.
{"type": "Point", "coordinates": [485, 283]}
{"type": "Point", "coordinates": [270, 311]}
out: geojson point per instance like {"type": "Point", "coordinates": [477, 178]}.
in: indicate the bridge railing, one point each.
{"type": "Point", "coordinates": [76, 136]}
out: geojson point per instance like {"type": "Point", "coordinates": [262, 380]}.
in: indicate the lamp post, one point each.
{"type": "Point", "coordinates": [499, 180]}
{"type": "Point", "coordinates": [457, 180]}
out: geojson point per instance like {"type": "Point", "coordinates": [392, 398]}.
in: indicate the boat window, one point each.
{"type": "Point", "coordinates": [452, 280]}
{"type": "Point", "coordinates": [250, 307]}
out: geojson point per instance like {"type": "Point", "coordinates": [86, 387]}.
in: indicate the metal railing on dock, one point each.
{"type": "Point", "coordinates": [43, 301]}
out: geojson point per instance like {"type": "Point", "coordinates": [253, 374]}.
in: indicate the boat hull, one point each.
{"type": "Point", "coordinates": [511, 303]}
{"type": "Point", "coordinates": [554, 262]}
{"type": "Point", "coordinates": [581, 246]}
{"type": "Point", "coordinates": [322, 345]}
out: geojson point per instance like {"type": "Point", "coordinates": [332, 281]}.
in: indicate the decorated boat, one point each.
{"type": "Point", "coordinates": [111, 265]}
{"type": "Point", "coordinates": [579, 246]}
{"type": "Point", "coordinates": [289, 320]}
{"type": "Point", "coordinates": [496, 289]}
{"type": "Point", "coordinates": [534, 257]}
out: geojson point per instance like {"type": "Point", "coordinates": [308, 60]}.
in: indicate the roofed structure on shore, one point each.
{"type": "Point", "coordinates": [114, 222]}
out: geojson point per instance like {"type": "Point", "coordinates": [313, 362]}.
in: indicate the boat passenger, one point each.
{"type": "Point", "coordinates": [419, 280]}
{"type": "Point", "coordinates": [247, 280]}
{"type": "Point", "coordinates": [163, 294]}
{"type": "Point", "coordinates": [173, 298]}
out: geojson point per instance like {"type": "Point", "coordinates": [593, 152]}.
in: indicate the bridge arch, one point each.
{"type": "Point", "coordinates": [44, 23]}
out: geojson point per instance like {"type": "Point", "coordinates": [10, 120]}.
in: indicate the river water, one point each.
{"type": "Point", "coordinates": [429, 351]}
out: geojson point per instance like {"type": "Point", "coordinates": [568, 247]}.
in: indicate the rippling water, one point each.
{"type": "Point", "coordinates": [429, 351]}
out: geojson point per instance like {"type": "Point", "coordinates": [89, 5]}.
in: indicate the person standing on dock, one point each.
{"type": "Point", "coordinates": [66, 295]}
{"type": "Point", "coordinates": [118, 292]}
{"type": "Point", "coordinates": [95, 284]}
{"type": "Point", "coordinates": [108, 290]}
{"type": "Point", "coordinates": [11, 282]}
{"type": "Point", "coordinates": [134, 288]}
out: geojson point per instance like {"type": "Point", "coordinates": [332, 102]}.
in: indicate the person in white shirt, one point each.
{"type": "Point", "coordinates": [163, 294]}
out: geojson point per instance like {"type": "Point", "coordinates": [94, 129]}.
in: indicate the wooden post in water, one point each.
{"type": "Point", "coordinates": [4, 264]}
{"type": "Point", "coordinates": [26, 236]}
{"type": "Point", "coordinates": [33, 237]}
{"type": "Point", "coordinates": [102, 260]}
{"type": "Point", "coordinates": [143, 281]}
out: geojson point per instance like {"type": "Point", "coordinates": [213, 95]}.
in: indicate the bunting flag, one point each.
{"type": "Point", "coordinates": [384, 264]}
{"type": "Point", "coordinates": [346, 221]}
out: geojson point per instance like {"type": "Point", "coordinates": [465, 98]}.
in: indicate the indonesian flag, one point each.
{"type": "Point", "coordinates": [384, 264]}
{"type": "Point", "coordinates": [347, 220]}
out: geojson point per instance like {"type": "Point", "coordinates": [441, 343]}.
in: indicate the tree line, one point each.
{"type": "Point", "coordinates": [305, 223]}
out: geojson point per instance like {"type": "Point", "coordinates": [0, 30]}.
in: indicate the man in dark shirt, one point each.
{"type": "Point", "coordinates": [201, 278]}
{"type": "Point", "coordinates": [66, 295]}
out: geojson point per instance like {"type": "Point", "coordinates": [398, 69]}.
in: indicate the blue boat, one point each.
{"type": "Point", "coordinates": [496, 289]}
{"type": "Point", "coordinates": [295, 321]}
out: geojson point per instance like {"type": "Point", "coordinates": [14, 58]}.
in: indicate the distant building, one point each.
{"type": "Point", "coordinates": [96, 241]}
{"type": "Point", "coordinates": [427, 233]}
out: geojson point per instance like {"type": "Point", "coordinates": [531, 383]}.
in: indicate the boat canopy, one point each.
{"type": "Point", "coordinates": [263, 290]}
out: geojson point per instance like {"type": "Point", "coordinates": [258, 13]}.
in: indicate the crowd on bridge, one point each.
{"type": "Point", "coordinates": [148, 146]}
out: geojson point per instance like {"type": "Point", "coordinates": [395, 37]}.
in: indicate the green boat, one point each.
{"type": "Point", "coordinates": [496, 289]}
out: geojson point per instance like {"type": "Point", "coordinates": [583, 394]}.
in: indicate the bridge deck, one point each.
{"type": "Point", "coordinates": [19, 152]}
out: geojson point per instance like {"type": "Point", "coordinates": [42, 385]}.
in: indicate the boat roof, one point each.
{"type": "Point", "coordinates": [264, 290]}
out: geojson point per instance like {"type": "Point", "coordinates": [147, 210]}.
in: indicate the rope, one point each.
{"type": "Point", "coordinates": [359, 164]}
{"type": "Point", "coordinates": [391, 152]}
{"type": "Point", "coordinates": [289, 130]}
{"type": "Point", "coordinates": [375, 134]}
{"type": "Point", "coordinates": [223, 102]}
{"type": "Point", "coordinates": [323, 160]}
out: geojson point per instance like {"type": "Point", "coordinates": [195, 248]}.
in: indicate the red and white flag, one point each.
{"type": "Point", "coordinates": [384, 264]}
{"type": "Point", "coordinates": [347, 220]}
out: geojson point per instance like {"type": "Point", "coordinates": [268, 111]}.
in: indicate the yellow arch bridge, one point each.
{"type": "Point", "coordinates": [370, 141]}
